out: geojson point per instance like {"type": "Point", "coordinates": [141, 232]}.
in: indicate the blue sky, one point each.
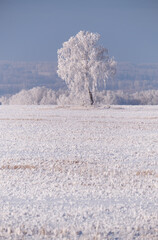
{"type": "Point", "coordinates": [33, 30]}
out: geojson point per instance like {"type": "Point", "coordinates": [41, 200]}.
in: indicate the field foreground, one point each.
{"type": "Point", "coordinates": [77, 173]}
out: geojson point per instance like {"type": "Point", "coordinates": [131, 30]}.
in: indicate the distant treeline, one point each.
{"type": "Point", "coordinates": [135, 77]}
{"type": "Point", "coordinates": [15, 76]}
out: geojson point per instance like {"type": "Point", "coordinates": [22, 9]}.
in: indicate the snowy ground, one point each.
{"type": "Point", "coordinates": [77, 173]}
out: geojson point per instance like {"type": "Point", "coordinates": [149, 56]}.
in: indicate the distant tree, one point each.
{"type": "Point", "coordinates": [84, 65]}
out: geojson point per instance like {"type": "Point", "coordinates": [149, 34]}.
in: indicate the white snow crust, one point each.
{"type": "Point", "coordinates": [79, 173]}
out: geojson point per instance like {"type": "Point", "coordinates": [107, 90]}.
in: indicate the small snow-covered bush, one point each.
{"type": "Point", "coordinates": [34, 96]}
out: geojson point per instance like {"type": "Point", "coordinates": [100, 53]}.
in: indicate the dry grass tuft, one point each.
{"type": "Point", "coordinates": [24, 119]}
{"type": "Point", "coordinates": [146, 173]}
{"type": "Point", "coordinates": [15, 167]}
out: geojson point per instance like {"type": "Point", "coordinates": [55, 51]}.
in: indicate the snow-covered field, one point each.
{"type": "Point", "coordinates": [79, 173]}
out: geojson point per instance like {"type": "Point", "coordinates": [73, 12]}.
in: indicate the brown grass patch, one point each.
{"type": "Point", "coordinates": [146, 173]}
{"type": "Point", "coordinates": [23, 119]}
{"type": "Point", "coordinates": [15, 167]}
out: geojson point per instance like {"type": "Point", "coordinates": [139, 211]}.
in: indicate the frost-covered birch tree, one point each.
{"type": "Point", "coordinates": [84, 65]}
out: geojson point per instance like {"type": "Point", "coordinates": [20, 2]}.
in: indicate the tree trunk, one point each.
{"type": "Point", "coordinates": [91, 97]}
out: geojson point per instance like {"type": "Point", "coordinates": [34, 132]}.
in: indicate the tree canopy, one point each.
{"type": "Point", "coordinates": [84, 65]}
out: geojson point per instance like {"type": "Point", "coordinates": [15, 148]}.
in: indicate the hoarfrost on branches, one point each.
{"type": "Point", "coordinates": [84, 65]}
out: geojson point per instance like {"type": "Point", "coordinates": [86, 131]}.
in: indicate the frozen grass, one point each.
{"type": "Point", "coordinates": [78, 173]}
{"type": "Point", "coordinates": [15, 167]}
{"type": "Point", "coordinates": [147, 173]}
